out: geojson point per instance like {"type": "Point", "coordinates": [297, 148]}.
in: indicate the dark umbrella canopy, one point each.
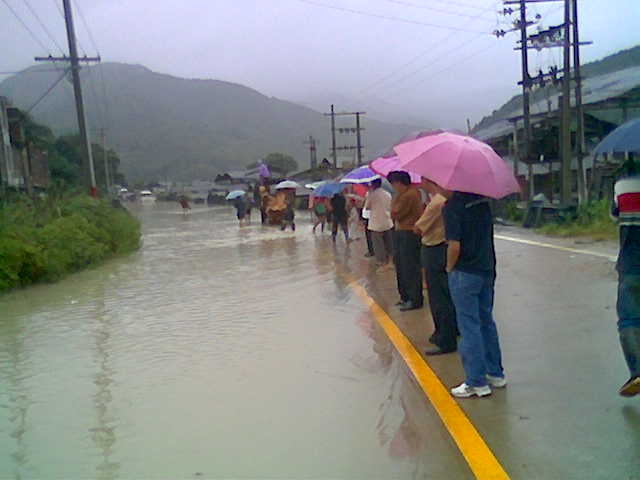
{"type": "Point", "coordinates": [625, 138]}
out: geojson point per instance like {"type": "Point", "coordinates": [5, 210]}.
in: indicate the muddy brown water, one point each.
{"type": "Point", "coordinates": [213, 352]}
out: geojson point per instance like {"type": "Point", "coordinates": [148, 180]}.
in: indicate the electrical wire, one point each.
{"type": "Point", "coordinates": [445, 39]}
{"type": "Point", "coordinates": [42, 97]}
{"type": "Point", "coordinates": [59, 8]}
{"type": "Point", "coordinates": [86, 27]}
{"type": "Point", "coordinates": [386, 17]}
{"type": "Point", "coordinates": [433, 9]}
{"type": "Point", "coordinates": [459, 62]}
{"type": "Point", "coordinates": [44, 27]}
{"type": "Point", "coordinates": [438, 58]}
{"type": "Point", "coordinates": [26, 27]}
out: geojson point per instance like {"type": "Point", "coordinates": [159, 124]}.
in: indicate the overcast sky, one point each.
{"type": "Point", "coordinates": [434, 56]}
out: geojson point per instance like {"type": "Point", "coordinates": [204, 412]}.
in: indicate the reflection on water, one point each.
{"type": "Point", "coordinates": [213, 352]}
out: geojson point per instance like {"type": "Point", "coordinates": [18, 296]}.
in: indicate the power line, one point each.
{"type": "Point", "coordinates": [59, 8]}
{"type": "Point", "coordinates": [443, 55]}
{"type": "Point", "coordinates": [433, 9]}
{"type": "Point", "coordinates": [26, 27]}
{"type": "Point", "coordinates": [86, 27]}
{"type": "Point", "coordinates": [55, 84]}
{"type": "Point", "coordinates": [44, 27]}
{"type": "Point", "coordinates": [446, 38]}
{"type": "Point", "coordinates": [386, 17]}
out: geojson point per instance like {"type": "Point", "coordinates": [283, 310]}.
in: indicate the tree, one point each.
{"type": "Point", "coordinates": [278, 162]}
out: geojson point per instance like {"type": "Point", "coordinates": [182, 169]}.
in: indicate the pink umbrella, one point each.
{"type": "Point", "coordinates": [460, 163]}
{"type": "Point", "coordinates": [384, 165]}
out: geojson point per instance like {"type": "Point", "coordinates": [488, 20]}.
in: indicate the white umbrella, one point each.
{"type": "Point", "coordinates": [287, 184]}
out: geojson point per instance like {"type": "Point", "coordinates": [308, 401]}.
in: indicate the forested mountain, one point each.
{"type": "Point", "coordinates": [167, 127]}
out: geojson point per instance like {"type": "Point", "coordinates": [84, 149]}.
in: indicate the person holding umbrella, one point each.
{"type": "Point", "coordinates": [627, 211]}
{"type": "Point", "coordinates": [468, 171]}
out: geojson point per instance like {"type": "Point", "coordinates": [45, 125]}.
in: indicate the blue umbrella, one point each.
{"type": "Point", "coordinates": [234, 194]}
{"type": "Point", "coordinates": [625, 138]}
{"type": "Point", "coordinates": [360, 175]}
{"type": "Point", "coordinates": [329, 189]}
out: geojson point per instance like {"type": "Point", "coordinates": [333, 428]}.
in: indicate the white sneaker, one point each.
{"type": "Point", "coordinates": [465, 391]}
{"type": "Point", "coordinates": [497, 382]}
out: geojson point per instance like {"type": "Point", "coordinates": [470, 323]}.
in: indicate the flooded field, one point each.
{"type": "Point", "coordinates": [214, 352]}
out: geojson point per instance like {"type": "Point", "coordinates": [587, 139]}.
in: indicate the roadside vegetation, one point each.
{"type": "Point", "coordinates": [592, 220]}
{"type": "Point", "coordinates": [43, 240]}
{"type": "Point", "coordinates": [60, 230]}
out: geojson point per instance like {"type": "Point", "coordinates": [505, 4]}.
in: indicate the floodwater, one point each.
{"type": "Point", "coordinates": [213, 352]}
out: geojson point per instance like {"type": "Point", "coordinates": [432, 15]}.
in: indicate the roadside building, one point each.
{"type": "Point", "coordinates": [609, 100]}
{"type": "Point", "coordinates": [22, 164]}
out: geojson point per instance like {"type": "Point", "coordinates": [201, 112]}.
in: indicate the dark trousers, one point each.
{"type": "Point", "coordinates": [367, 235]}
{"type": "Point", "coordinates": [406, 248]}
{"type": "Point", "coordinates": [434, 261]}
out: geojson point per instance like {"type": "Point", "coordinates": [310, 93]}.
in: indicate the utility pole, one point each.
{"type": "Point", "coordinates": [74, 61]}
{"type": "Point", "coordinates": [358, 138]}
{"type": "Point", "coordinates": [526, 85]}
{"type": "Point", "coordinates": [313, 159]}
{"type": "Point", "coordinates": [107, 175]}
{"type": "Point", "coordinates": [357, 130]}
{"type": "Point", "coordinates": [334, 152]}
{"type": "Point", "coordinates": [565, 144]}
{"type": "Point", "coordinates": [580, 145]}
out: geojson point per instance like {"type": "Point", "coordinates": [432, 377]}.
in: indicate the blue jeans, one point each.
{"type": "Point", "coordinates": [628, 301]}
{"type": "Point", "coordinates": [479, 346]}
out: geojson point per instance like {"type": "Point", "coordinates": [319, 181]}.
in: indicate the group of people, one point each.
{"type": "Point", "coordinates": [339, 211]}
{"type": "Point", "coordinates": [449, 236]}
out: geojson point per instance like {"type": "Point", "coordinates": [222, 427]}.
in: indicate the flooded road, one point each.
{"type": "Point", "coordinates": [214, 352]}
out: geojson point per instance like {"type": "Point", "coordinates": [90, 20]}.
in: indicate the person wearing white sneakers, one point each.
{"type": "Point", "coordinates": [471, 268]}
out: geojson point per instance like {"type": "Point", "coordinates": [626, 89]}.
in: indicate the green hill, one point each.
{"type": "Point", "coordinates": [167, 127]}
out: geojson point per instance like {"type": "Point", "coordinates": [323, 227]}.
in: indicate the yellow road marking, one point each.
{"type": "Point", "coordinates": [477, 453]}
{"type": "Point", "coordinates": [556, 247]}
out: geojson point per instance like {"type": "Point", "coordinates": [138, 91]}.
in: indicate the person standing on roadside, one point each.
{"type": "Point", "coordinates": [471, 265]}
{"type": "Point", "coordinates": [430, 226]}
{"type": "Point", "coordinates": [406, 209]}
{"type": "Point", "coordinates": [378, 204]}
{"type": "Point", "coordinates": [340, 216]}
{"type": "Point", "coordinates": [627, 211]}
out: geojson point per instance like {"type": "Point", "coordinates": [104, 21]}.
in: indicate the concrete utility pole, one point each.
{"type": "Point", "coordinates": [565, 144]}
{"type": "Point", "coordinates": [313, 159]}
{"type": "Point", "coordinates": [74, 61]}
{"type": "Point", "coordinates": [526, 84]}
{"type": "Point", "coordinates": [358, 131]}
{"type": "Point", "coordinates": [107, 175]}
{"type": "Point", "coordinates": [334, 152]}
{"type": "Point", "coordinates": [358, 139]}
{"type": "Point", "coordinates": [583, 195]}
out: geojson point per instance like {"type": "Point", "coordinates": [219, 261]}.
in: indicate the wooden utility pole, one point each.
{"type": "Point", "coordinates": [74, 62]}
{"type": "Point", "coordinates": [565, 144]}
{"type": "Point", "coordinates": [583, 195]}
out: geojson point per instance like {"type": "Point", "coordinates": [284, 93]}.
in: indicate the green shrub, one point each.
{"type": "Point", "coordinates": [591, 220]}
{"type": "Point", "coordinates": [45, 239]}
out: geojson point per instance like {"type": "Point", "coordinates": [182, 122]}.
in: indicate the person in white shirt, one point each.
{"type": "Point", "coordinates": [378, 203]}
